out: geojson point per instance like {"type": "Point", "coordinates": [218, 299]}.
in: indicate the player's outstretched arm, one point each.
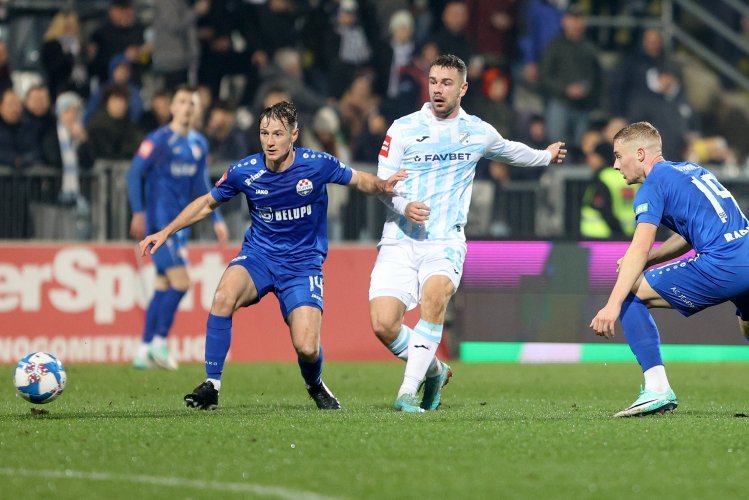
{"type": "Point", "coordinates": [196, 211]}
{"type": "Point", "coordinates": [632, 265]}
{"type": "Point", "coordinates": [371, 184]}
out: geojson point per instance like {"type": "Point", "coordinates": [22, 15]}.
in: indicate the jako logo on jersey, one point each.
{"type": "Point", "coordinates": [385, 149]}
{"type": "Point", "coordinates": [254, 177]}
{"type": "Point", "coordinates": [261, 191]}
{"type": "Point", "coordinates": [183, 169]}
{"type": "Point", "coordinates": [443, 157]}
{"type": "Point", "coordinates": [304, 187]}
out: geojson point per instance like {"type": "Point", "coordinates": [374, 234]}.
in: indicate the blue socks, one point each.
{"type": "Point", "coordinates": [152, 314]}
{"type": "Point", "coordinates": [167, 309]}
{"type": "Point", "coordinates": [311, 372]}
{"type": "Point", "coordinates": [217, 342]}
{"type": "Point", "coordinates": [641, 332]}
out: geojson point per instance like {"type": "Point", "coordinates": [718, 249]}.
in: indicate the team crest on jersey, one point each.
{"type": "Point", "coordinates": [464, 138]}
{"type": "Point", "coordinates": [304, 187]}
{"type": "Point", "coordinates": [385, 149]}
{"type": "Point", "coordinates": [197, 153]}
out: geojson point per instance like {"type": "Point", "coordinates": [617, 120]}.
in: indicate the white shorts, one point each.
{"type": "Point", "coordinates": [403, 266]}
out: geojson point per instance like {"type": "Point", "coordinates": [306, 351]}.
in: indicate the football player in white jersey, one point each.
{"type": "Point", "coordinates": [422, 250]}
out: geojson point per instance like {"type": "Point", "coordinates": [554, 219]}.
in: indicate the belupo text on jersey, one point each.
{"type": "Point", "coordinates": [268, 214]}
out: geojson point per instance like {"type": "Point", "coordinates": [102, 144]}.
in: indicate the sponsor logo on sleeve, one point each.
{"type": "Point", "coordinates": [222, 179]}
{"type": "Point", "coordinates": [145, 149]}
{"type": "Point", "coordinates": [642, 207]}
{"type": "Point", "coordinates": [385, 149]}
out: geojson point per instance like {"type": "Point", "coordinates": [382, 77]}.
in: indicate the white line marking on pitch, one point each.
{"type": "Point", "coordinates": [271, 491]}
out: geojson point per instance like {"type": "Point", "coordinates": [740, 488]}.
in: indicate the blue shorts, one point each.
{"type": "Point", "coordinates": [292, 289]}
{"type": "Point", "coordinates": [694, 284]}
{"type": "Point", "coordinates": [173, 253]}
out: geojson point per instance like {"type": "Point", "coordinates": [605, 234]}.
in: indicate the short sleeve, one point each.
{"type": "Point", "coordinates": [391, 153]}
{"type": "Point", "coordinates": [649, 204]}
{"type": "Point", "coordinates": [226, 187]}
{"type": "Point", "coordinates": [335, 171]}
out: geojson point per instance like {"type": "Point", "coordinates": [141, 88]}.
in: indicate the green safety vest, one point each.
{"type": "Point", "coordinates": [592, 223]}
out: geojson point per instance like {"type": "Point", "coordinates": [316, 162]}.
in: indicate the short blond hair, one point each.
{"type": "Point", "coordinates": [642, 132]}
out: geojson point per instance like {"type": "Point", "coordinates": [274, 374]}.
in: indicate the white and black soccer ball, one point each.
{"type": "Point", "coordinates": [40, 377]}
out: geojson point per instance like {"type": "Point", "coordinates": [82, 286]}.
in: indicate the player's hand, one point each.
{"type": "Point", "coordinates": [152, 242]}
{"type": "Point", "coordinates": [222, 232]}
{"type": "Point", "coordinates": [603, 323]}
{"type": "Point", "coordinates": [417, 212]}
{"type": "Point", "coordinates": [138, 225]}
{"type": "Point", "coordinates": [390, 182]}
{"type": "Point", "coordinates": [558, 152]}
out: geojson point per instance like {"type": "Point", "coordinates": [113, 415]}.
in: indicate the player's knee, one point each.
{"type": "Point", "coordinates": [308, 351]}
{"type": "Point", "coordinates": [224, 303]}
{"type": "Point", "coordinates": [434, 305]}
{"type": "Point", "coordinates": [385, 329]}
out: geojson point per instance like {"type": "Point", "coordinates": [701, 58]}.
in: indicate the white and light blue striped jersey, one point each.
{"type": "Point", "coordinates": [440, 157]}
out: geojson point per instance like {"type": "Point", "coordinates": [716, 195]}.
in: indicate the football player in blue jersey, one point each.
{"type": "Point", "coordinates": [422, 250]}
{"type": "Point", "coordinates": [705, 217]}
{"type": "Point", "coordinates": [283, 250]}
{"type": "Point", "coordinates": [167, 172]}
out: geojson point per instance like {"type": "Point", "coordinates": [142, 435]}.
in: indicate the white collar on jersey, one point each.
{"type": "Point", "coordinates": [427, 109]}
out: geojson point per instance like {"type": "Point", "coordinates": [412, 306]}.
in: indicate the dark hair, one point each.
{"type": "Point", "coordinates": [284, 111]}
{"type": "Point", "coordinates": [450, 61]}
{"type": "Point", "coordinates": [116, 91]}
{"type": "Point", "coordinates": [184, 88]}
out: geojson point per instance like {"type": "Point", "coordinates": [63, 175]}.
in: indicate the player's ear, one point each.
{"type": "Point", "coordinates": [295, 135]}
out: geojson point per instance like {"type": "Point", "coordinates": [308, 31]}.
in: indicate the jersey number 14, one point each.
{"type": "Point", "coordinates": [710, 187]}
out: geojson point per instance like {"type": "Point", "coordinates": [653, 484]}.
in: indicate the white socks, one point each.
{"type": "Point", "coordinates": [422, 350]}
{"type": "Point", "coordinates": [656, 380]}
{"type": "Point", "coordinates": [216, 383]}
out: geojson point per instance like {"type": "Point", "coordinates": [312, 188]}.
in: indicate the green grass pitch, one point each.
{"type": "Point", "coordinates": [505, 431]}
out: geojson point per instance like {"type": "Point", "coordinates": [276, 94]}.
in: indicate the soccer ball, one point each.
{"type": "Point", "coordinates": [40, 377]}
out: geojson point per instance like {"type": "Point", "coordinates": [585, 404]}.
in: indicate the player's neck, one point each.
{"type": "Point", "coordinates": [283, 163]}
{"type": "Point", "coordinates": [655, 160]}
{"type": "Point", "coordinates": [179, 128]}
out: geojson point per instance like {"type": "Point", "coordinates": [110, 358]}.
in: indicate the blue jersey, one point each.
{"type": "Point", "coordinates": [167, 173]}
{"type": "Point", "coordinates": [288, 209]}
{"type": "Point", "coordinates": [690, 201]}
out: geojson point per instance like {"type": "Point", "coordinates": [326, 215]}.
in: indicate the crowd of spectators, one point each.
{"type": "Point", "coordinates": [536, 73]}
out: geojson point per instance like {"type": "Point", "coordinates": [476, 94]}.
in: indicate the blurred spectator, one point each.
{"type": "Point", "coordinates": [17, 147]}
{"type": "Point", "coordinates": [5, 70]}
{"type": "Point", "coordinates": [225, 140]}
{"type": "Point", "coordinates": [217, 55]}
{"type": "Point", "coordinates": [159, 113]}
{"type": "Point", "coordinates": [120, 73]}
{"type": "Point", "coordinates": [423, 20]}
{"type": "Point", "coordinates": [356, 104]}
{"type": "Point", "coordinates": [70, 151]}
{"type": "Point", "coordinates": [111, 134]}
{"type": "Point", "coordinates": [37, 114]}
{"type": "Point", "coordinates": [175, 47]}
{"type": "Point", "coordinates": [629, 76]}
{"type": "Point", "coordinates": [452, 38]}
{"type": "Point", "coordinates": [369, 141]}
{"type": "Point", "coordinates": [711, 150]}
{"type": "Point", "coordinates": [493, 29]}
{"type": "Point", "coordinates": [401, 48]}
{"type": "Point", "coordinates": [608, 203]}
{"type": "Point", "coordinates": [326, 135]}
{"type": "Point", "coordinates": [535, 134]}
{"type": "Point", "coordinates": [121, 33]}
{"type": "Point", "coordinates": [613, 125]}
{"type": "Point", "coordinates": [543, 23]}
{"type": "Point", "coordinates": [287, 72]}
{"type": "Point", "coordinates": [666, 107]}
{"type": "Point", "coordinates": [203, 107]}
{"type": "Point", "coordinates": [491, 104]}
{"type": "Point", "coordinates": [571, 80]}
{"type": "Point", "coordinates": [348, 45]}
{"type": "Point", "coordinates": [413, 86]}
{"type": "Point", "coordinates": [62, 56]}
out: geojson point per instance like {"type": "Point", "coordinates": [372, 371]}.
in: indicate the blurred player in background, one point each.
{"type": "Point", "coordinates": [283, 250]}
{"type": "Point", "coordinates": [167, 172]}
{"type": "Point", "coordinates": [690, 201]}
{"type": "Point", "coordinates": [423, 247]}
